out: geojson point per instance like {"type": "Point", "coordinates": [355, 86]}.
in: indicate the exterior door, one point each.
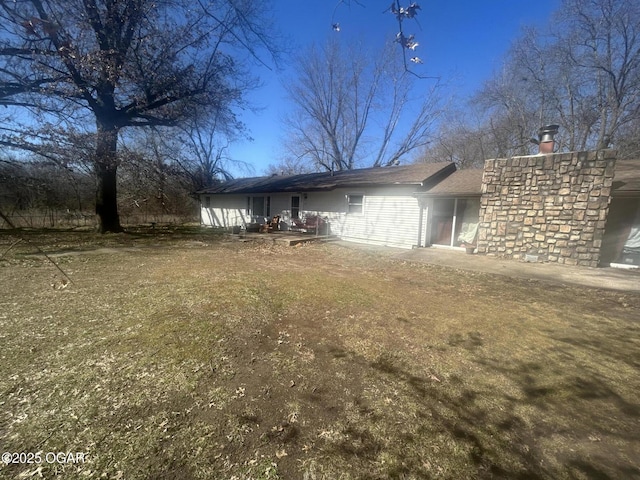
{"type": "Point", "coordinates": [455, 221]}
{"type": "Point", "coordinates": [443, 217]}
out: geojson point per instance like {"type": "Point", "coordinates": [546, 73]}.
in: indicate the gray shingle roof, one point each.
{"type": "Point", "coordinates": [441, 177]}
{"type": "Point", "coordinates": [460, 183]}
{"type": "Point", "coordinates": [469, 181]}
{"type": "Point", "coordinates": [627, 176]}
{"type": "Point", "coordinates": [419, 174]}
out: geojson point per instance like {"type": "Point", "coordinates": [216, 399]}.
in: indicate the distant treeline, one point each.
{"type": "Point", "coordinates": [35, 193]}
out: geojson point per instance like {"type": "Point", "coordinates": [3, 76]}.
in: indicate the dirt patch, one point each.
{"type": "Point", "coordinates": [187, 357]}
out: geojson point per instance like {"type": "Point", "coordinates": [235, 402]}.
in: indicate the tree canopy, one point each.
{"type": "Point", "coordinates": [582, 72]}
{"type": "Point", "coordinates": [106, 65]}
{"type": "Point", "coordinates": [352, 108]}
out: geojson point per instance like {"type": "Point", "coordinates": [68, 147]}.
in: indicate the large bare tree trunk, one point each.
{"type": "Point", "coordinates": [106, 187]}
{"type": "Point", "coordinates": [124, 63]}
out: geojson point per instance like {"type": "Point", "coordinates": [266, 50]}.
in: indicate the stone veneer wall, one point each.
{"type": "Point", "coordinates": [546, 207]}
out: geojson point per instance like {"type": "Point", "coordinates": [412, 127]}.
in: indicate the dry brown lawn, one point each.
{"type": "Point", "coordinates": [179, 355]}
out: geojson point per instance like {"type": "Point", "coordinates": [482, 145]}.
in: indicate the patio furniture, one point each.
{"type": "Point", "coordinates": [275, 223]}
{"type": "Point", "coordinates": [310, 224]}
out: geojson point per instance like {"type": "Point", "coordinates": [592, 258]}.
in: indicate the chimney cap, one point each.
{"type": "Point", "coordinates": [546, 133]}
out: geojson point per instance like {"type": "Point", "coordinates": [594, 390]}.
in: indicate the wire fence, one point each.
{"type": "Point", "coordinates": [54, 219]}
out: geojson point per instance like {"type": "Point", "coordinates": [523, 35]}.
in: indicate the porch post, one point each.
{"type": "Point", "coordinates": [420, 223]}
{"type": "Point", "coordinates": [427, 230]}
{"type": "Point", "coordinates": [453, 225]}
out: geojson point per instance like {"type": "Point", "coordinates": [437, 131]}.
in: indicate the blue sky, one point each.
{"type": "Point", "coordinates": [462, 41]}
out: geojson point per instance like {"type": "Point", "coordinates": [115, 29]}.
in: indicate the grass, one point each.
{"type": "Point", "coordinates": [177, 354]}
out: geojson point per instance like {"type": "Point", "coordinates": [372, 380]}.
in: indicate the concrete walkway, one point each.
{"type": "Point", "coordinates": [607, 278]}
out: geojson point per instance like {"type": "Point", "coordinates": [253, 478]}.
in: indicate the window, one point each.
{"type": "Point", "coordinates": [258, 206]}
{"type": "Point", "coordinates": [355, 203]}
{"type": "Point", "coordinates": [207, 202]}
{"type": "Point", "coordinates": [295, 207]}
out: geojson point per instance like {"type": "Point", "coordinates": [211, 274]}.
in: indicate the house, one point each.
{"type": "Point", "coordinates": [576, 208]}
{"type": "Point", "coordinates": [372, 205]}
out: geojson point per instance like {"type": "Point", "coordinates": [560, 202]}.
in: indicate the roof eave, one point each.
{"type": "Point", "coordinates": [328, 185]}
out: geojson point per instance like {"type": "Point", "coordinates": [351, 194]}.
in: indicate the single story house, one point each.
{"type": "Point", "coordinates": [577, 208]}
{"type": "Point", "coordinates": [373, 205]}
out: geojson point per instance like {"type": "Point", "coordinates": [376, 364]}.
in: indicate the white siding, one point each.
{"type": "Point", "coordinates": [386, 220]}
{"type": "Point", "coordinates": [391, 216]}
{"type": "Point", "coordinates": [230, 210]}
{"type": "Point", "coordinates": [225, 210]}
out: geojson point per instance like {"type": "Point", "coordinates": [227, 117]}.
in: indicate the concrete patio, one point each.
{"type": "Point", "coordinates": [606, 278]}
{"type": "Point", "coordinates": [288, 238]}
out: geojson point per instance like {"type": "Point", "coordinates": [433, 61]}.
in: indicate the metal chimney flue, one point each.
{"type": "Point", "coordinates": [546, 142]}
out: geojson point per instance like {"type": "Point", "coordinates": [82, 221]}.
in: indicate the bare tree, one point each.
{"type": "Point", "coordinates": [112, 64]}
{"type": "Point", "coordinates": [601, 38]}
{"type": "Point", "coordinates": [460, 142]}
{"type": "Point", "coordinates": [510, 107]}
{"type": "Point", "coordinates": [582, 73]}
{"type": "Point", "coordinates": [350, 110]}
{"type": "Point", "coordinates": [290, 166]}
{"type": "Point", "coordinates": [200, 149]}
{"type": "Point", "coordinates": [196, 154]}
{"type": "Point", "coordinates": [31, 187]}
{"type": "Point", "coordinates": [151, 185]}
{"type": "Point", "coordinates": [628, 143]}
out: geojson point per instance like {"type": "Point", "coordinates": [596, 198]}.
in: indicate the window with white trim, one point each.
{"type": "Point", "coordinates": [259, 206]}
{"type": "Point", "coordinates": [355, 203]}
